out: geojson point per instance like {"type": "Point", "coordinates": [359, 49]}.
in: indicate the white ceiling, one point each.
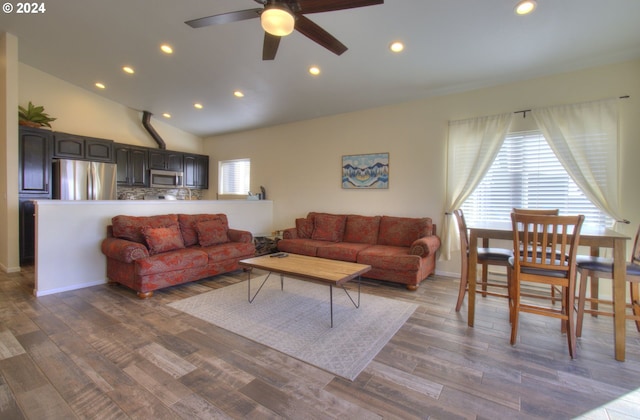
{"type": "Point", "coordinates": [452, 45]}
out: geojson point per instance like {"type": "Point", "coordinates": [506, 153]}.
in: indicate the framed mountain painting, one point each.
{"type": "Point", "coordinates": [365, 171]}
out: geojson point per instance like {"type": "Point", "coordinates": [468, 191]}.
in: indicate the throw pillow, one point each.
{"type": "Point", "coordinates": [188, 225]}
{"type": "Point", "coordinates": [304, 228]}
{"type": "Point", "coordinates": [212, 232]}
{"type": "Point", "coordinates": [328, 227]}
{"type": "Point", "coordinates": [162, 239]}
{"type": "Point", "coordinates": [130, 227]}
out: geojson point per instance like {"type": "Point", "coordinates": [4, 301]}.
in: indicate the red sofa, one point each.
{"type": "Point", "coordinates": [398, 249]}
{"type": "Point", "coordinates": [152, 252]}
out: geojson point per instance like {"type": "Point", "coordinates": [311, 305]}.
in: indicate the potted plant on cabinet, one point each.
{"type": "Point", "coordinates": [34, 116]}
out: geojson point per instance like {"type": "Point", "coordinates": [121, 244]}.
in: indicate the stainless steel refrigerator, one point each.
{"type": "Point", "coordinates": [82, 180]}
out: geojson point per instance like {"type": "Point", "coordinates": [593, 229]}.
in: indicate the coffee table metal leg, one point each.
{"type": "Point", "coordinates": [251, 299]}
{"type": "Point", "coordinates": [357, 305]}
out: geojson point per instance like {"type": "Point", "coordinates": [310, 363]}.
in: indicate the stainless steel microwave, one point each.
{"type": "Point", "coordinates": [166, 179]}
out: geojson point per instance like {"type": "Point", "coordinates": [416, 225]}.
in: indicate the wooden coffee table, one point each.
{"type": "Point", "coordinates": [320, 270]}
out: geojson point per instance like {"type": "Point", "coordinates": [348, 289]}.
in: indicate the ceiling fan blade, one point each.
{"type": "Point", "coordinates": [319, 35]}
{"type": "Point", "coordinates": [225, 18]}
{"type": "Point", "coordinates": [318, 6]}
{"type": "Point", "coordinates": [270, 46]}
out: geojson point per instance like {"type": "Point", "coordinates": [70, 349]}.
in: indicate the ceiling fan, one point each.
{"type": "Point", "coordinates": [280, 17]}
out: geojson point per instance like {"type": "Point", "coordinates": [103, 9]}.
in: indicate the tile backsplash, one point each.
{"type": "Point", "coordinates": [128, 193]}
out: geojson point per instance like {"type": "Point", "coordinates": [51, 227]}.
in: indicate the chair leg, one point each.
{"type": "Point", "coordinates": [514, 301]}
{"type": "Point", "coordinates": [463, 286]}
{"type": "Point", "coordinates": [584, 278]}
{"type": "Point", "coordinates": [568, 298]}
{"type": "Point", "coordinates": [485, 277]}
{"type": "Point", "coordinates": [594, 294]}
{"type": "Point", "coordinates": [509, 286]}
{"type": "Point", "coordinates": [635, 302]}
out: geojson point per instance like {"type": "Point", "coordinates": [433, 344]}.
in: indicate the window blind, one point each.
{"type": "Point", "coordinates": [234, 176]}
{"type": "Point", "coordinates": [527, 174]}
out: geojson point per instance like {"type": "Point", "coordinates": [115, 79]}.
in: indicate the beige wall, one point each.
{"type": "Point", "coordinates": [9, 252]}
{"type": "Point", "coordinates": [80, 111]}
{"type": "Point", "coordinates": [299, 164]}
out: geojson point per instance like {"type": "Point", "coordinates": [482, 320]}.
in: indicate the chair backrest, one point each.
{"type": "Point", "coordinates": [635, 255]}
{"type": "Point", "coordinates": [462, 228]}
{"type": "Point", "coordinates": [541, 212]}
{"type": "Point", "coordinates": [560, 234]}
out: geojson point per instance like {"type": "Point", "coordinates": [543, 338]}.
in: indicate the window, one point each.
{"type": "Point", "coordinates": [234, 177]}
{"type": "Point", "coordinates": [526, 173]}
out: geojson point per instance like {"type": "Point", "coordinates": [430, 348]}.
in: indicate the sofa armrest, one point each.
{"type": "Point", "coordinates": [123, 250]}
{"type": "Point", "coordinates": [290, 233]}
{"type": "Point", "coordinates": [236, 235]}
{"type": "Point", "coordinates": [425, 246]}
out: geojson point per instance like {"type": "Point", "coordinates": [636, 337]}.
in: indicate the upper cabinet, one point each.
{"type": "Point", "coordinates": [132, 165]}
{"type": "Point", "coordinates": [165, 160]}
{"type": "Point", "coordinates": [71, 146]}
{"type": "Point", "coordinates": [35, 162]}
{"type": "Point", "coordinates": [196, 171]}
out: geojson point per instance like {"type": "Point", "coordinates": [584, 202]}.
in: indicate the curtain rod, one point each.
{"type": "Point", "coordinates": [524, 111]}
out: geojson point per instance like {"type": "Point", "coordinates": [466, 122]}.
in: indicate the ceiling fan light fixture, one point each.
{"type": "Point", "coordinates": [524, 7]}
{"type": "Point", "coordinates": [277, 20]}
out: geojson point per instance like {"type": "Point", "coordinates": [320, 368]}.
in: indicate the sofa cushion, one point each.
{"type": "Point", "coordinates": [180, 259]}
{"type": "Point", "coordinates": [188, 225]}
{"type": "Point", "coordinates": [402, 231]}
{"type": "Point", "coordinates": [361, 229]}
{"type": "Point", "coordinates": [163, 239]}
{"type": "Point", "coordinates": [130, 227]}
{"type": "Point", "coordinates": [328, 227]}
{"type": "Point", "coordinates": [304, 228]}
{"type": "Point", "coordinates": [301, 246]}
{"type": "Point", "coordinates": [212, 232]}
{"type": "Point", "coordinates": [343, 251]}
{"type": "Point", "coordinates": [229, 250]}
{"type": "Point", "coordinates": [389, 258]}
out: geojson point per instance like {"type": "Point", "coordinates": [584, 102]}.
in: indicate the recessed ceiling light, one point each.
{"type": "Point", "coordinates": [524, 7]}
{"type": "Point", "coordinates": [128, 69]}
{"type": "Point", "coordinates": [165, 48]}
{"type": "Point", "coordinates": [315, 70]}
{"type": "Point", "coordinates": [198, 106]}
{"type": "Point", "coordinates": [100, 85]}
{"type": "Point", "coordinates": [238, 94]}
{"type": "Point", "coordinates": [166, 115]}
{"type": "Point", "coordinates": [396, 46]}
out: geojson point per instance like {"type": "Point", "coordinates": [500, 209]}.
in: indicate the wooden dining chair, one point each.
{"type": "Point", "coordinates": [486, 257]}
{"type": "Point", "coordinates": [592, 269]}
{"type": "Point", "coordinates": [541, 212]}
{"type": "Point", "coordinates": [561, 235]}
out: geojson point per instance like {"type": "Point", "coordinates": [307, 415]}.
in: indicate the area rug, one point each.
{"type": "Point", "coordinates": [297, 321]}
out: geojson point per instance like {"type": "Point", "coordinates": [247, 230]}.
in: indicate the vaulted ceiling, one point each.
{"type": "Point", "coordinates": [451, 46]}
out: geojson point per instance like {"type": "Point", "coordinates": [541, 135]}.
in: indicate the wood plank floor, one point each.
{"type": "Point", "coordinates": [101, 353]}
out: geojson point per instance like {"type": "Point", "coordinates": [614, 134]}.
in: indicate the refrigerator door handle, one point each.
{"type": "Point", "coordinates": [90, 182]}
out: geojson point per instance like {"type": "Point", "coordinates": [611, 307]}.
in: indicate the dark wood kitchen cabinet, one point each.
{"type": "Point", "coordinates": [165, 160]}
{"type": "Point", "coordinates": [34, 164]}
{"type": "Point", "coordinates": [27, 231]}
{"type": "Point", "coordinates": [132, 165]}
{"type": "Point", "coordinates": [71, 146]}
{"type": "Point", "coordinates": [196, 171]}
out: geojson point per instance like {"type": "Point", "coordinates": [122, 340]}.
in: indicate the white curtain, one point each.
{"type": "Point", "coordinates": [472, 146]}
{"type": "Point", "coordinates": [584, 137]}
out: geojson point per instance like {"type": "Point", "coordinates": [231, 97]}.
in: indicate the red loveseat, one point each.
{"type": "Point", "coordinates": [398, 249]}
{"type": "Point", "coordinates": [152, 252]}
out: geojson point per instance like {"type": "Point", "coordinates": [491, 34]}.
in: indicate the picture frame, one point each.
{"type": "Point", "coordinates": [366, 171]}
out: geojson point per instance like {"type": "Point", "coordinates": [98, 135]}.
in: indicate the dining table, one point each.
{"type": "Point", "coordinates": [590, 236]}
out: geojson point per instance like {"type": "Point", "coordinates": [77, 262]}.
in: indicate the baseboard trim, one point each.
{"type": "Point", "coordinates": [39, 293]}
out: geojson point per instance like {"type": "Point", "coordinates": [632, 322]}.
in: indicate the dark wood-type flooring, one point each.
{"type": "Point", "coordinates": [101, 353]}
